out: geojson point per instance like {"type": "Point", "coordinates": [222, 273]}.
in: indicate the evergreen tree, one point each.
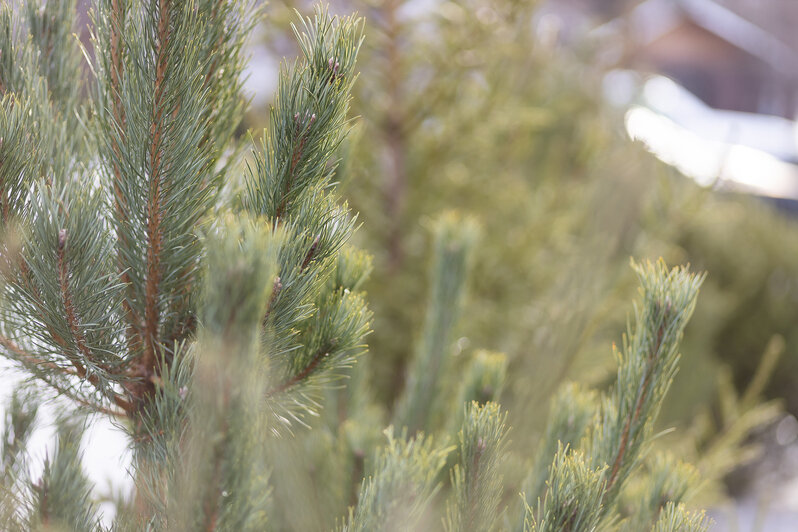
{"type": "Point", "coordinates": [216, 328]}
{"type": "Point", "coordinates": [473, 103]}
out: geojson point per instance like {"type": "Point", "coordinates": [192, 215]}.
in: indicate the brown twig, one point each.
{"type": "Point", "coordinates": [310, 254]}
{"type": "Point", "coordinates": [276, 288]}
{"type": "Point", "coordinates": [146, 367]}
{"type": "Point", "coordinates": [120, 205]}
{"type": "Point", "coordinates": [296, 156]}
{"type": "Point", "coordinates": [29, 358]}
{"type": "Point", "coordinates": [299, 377]}
{"type": "Point", "coordinates": [643, 393]}
{"type": "Point", "coordinates": [81, 348]}
{"type": "Point", "coordinates": [472, 504]}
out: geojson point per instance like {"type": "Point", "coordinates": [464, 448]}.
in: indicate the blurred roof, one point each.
{"type": "Point", "coordinates": [653, 19]}
{"type": "Point", "coordinates": [700, 132]}
{"type": "Point", "coordinates": [777, 17]}
{"type": "Point", "coordinates": [762, 28]}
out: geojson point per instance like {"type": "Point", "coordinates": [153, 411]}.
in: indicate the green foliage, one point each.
{"type": "Point", "coordinates": [574, 496]}
{"type": "Point", "coordinates": [584, 484]}
{"type": "Point", "coordinates": [538, 158]}
{"type": "Point", "coordinates": [454, 241]}
{"type": "Point", "coordinates": [400, 485]}
{"type": "Point", "coordinates": [220, 479]}
{"type": "Point", "coordinates": [61, 499]}
{"type": "Point", "coordinates": [218, 323]}
{"type": "Point", "coordinates": [571, 412]}
{"type": "Point", "coordinates": [675, 518]}
{"type": "Point", "coordinates": [475, 480]}
{"type": "Point", "coordinates": [535, 155]}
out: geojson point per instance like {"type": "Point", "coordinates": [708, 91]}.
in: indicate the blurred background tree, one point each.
{"type": "Point", "coordinates": [477, 105]}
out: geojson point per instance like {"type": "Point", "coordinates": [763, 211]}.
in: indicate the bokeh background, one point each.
{"type": "Point", "coordinates": [578, 134]}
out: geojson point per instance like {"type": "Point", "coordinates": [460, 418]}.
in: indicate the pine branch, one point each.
{"type": "Point", "coordinates": [308, 120]}
{"type": "Point", "coordinates": [62, 295]}
{"type": "Point", "coordinates": [476, 481]}
{"type": "Point", "coordinates": [571, 413]}
{"type": "Point", "coordinates": [400, 486]}
{"type": "Point", "coordinates": [38, 365]}
{"type": "Point", "coordinates": [154, 231]}
{"type": "Point", "coordinates": [676, 518]}
{"type": "Point", "coordinates": [647, 366]}
{"type": "Point", "coordinates": [622, 428]}
{"type": "Point", "coordinates": [454, 241]}
{"type": "Point", "coordinates": [62, 496]}
{"type": "Point", "coordinates": [329, 342]}
{"type": "Point", "coordinates": [115, 25]}
{"type": "Point", "coordinates": [214, 480]}
{"type": "Point", "coordinates": [165, 115]}
{"type": "Point", "coordinates": [314, 333]}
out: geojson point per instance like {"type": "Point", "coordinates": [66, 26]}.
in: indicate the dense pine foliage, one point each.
{"type": "Point", "coordinates": [218, 314]}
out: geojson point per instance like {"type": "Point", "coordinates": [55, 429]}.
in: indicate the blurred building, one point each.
{"type": "Point", "coordinates": [724, 58]}
{"type": "Point", "coordinates": [717, 83]}
{"type": "Point", "coordinates": [739, 55]}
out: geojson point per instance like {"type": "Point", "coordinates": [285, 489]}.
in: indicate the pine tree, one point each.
{"type": "Point", "coordinates": [482, 109]}
{"type": "Point", "coordinates": [217, 328]}
{"type": "Point", "coordinates": [472, 104]}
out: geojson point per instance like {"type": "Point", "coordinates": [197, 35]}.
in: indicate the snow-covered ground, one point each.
{"type": "Point", "coordinates": [105, 450]}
